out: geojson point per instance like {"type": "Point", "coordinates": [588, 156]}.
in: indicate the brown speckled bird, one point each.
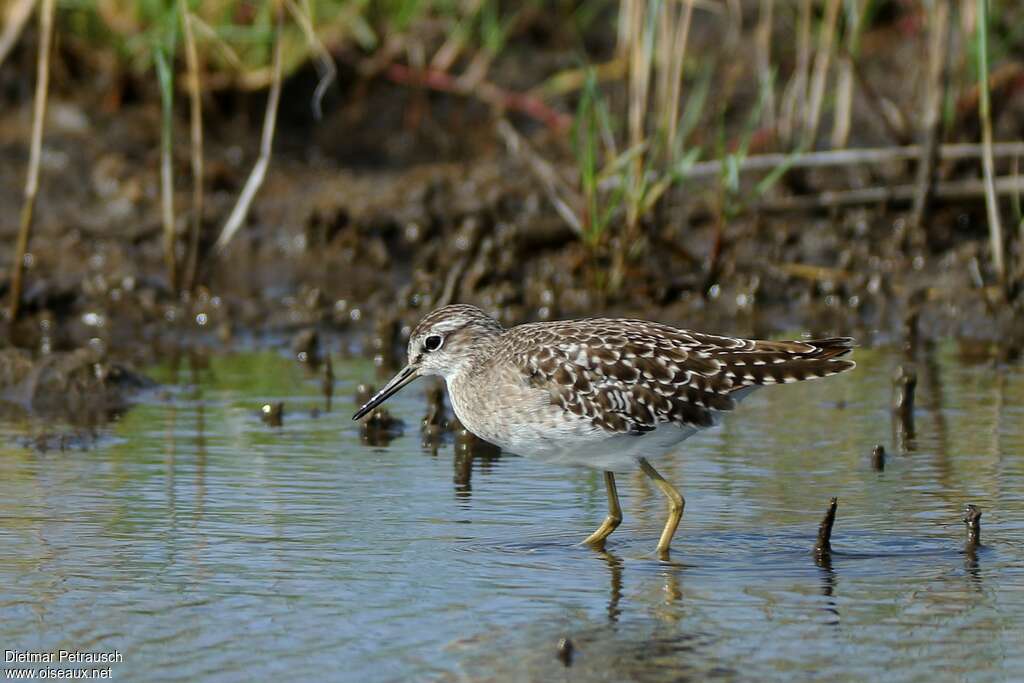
{"type": "Point", "coordinates": [599, 392]}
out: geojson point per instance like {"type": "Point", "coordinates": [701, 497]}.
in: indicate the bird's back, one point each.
{"type": "Point", "coordinates": [630, 376]}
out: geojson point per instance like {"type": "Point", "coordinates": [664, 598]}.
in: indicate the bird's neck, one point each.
{"type": "Point", "coordinates": [475, 359]}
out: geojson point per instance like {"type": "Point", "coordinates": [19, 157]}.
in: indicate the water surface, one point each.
{"type": "Point", "coordinates": [203, 544]}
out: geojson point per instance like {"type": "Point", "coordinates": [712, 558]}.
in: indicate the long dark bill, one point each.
{"type": "Point", "coordinates": [407, 375]}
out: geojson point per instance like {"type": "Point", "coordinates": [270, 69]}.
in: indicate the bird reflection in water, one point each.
{"type": "Point", "coordinates": [438, 425]}
{"type": "Point", "coordinates": [434, 425]}
{"type": "Point", "coordinates": [615, 566]}
{"type": "Point", "coordinates": [972, 519]}
{"type": "Point", "coordinates": [469, 447]}
{"type": "Point", "coordinates": [380, 428]}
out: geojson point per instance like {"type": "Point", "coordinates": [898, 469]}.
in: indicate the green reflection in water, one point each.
{"type": "Point", "coordinates": [203, 543]}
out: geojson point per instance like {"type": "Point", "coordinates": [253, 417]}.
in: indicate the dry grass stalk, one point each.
{"type": "Point", "coordinates": [842, 157]}
{"type": "Point", "coordinates": [939, 51]}
{"type": "Point", "coordinates": [844, 104]}
{"type": "Point", "coordinates": [845, 81]}
{"type": "Point", "coordinates": [763, 37]}
{"type": "Point", "coordinates": [259, 169]}
{"type": "Point", "coordinates": [1020, 223]}
{"type": "Point", "coordinates": [210, 35]}
{"type": "Point", "coordinates": [663, 58]}
{"type": "Point", "coordinates": [46, 10]}
{"type": "Point", "coordinates": [167, 201]}
{"type": "Point", "coordinates": [995, 225]}
{"type": "Point", "coordinates": [455, 42]}
{"type": "Point", "coordinates": [623, 29]}
{"type": "Point", "coordinates": [196, 126]}
{"type": "Point", "coordinates": [951, 190]}
{"type": "Point", "coordinates": [826, 37]}
{"type": "Point", "coordinates": [795, 98]}
{"type": "Point", "coordinates": [639, 87]}
{"type": "Point", "coordinates": [17, 16]}
{"type": "Point", "coordinates": [677, 51]}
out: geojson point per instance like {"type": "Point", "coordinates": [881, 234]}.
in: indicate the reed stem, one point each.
{"type": "Point", "coordinates": [995, 226]}
{"type": "Point", "coordinates": [46, 10]}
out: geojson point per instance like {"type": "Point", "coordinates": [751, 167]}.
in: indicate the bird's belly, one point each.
{"type": "Point", "coordinates": [563, 439]}
{"type": "Point", "coordinates": [618, 452]}
{"type": "Point", "coordinates": [522, 420]}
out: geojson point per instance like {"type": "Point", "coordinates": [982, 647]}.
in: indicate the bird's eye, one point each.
{"type": "Point", "coordinates": [433, 342]}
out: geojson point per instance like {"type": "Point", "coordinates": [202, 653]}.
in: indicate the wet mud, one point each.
{"type": "Point", "coordinates": [368, 219]}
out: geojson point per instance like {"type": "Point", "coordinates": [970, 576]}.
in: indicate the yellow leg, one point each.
{"type": "Point", "coordinates": [676, 503]}
{"type": "Point", "coordinates": [614, 518]}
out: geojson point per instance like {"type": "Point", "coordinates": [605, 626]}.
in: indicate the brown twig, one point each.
{"type": "Point", "coordinates": [566, 201]}
{"type": "Point", "coordinates": [259, 169]}
{"type": "Point", "coordinates": [46, 10]}
{"type": "Point", "coordinates": [488, 92]}
{"type": "Point", "coordinates": [196, 122]}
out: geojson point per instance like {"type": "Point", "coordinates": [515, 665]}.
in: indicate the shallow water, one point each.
{"type": "Point", "coordinates": [201, 543]}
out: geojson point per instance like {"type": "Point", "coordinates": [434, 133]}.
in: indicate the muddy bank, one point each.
{"type": "Point", "coordinates": [346, 240]}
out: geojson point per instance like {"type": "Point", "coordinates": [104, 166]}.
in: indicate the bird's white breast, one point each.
{"type": "Point", "coordinates": [521, 419]}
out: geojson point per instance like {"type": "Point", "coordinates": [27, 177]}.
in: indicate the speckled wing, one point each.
{"type": "Point", "coordinates": [629, 376]}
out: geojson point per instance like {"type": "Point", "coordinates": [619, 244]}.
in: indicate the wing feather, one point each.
{"type": "Point", "coordinates": [629, 376]}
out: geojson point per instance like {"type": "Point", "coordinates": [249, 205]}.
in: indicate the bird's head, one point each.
{"type": "Point", "coordinates": [443, 344]}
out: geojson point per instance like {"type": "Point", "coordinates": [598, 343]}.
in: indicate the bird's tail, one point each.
{"type": "Point", "coordinates": [784, 362]}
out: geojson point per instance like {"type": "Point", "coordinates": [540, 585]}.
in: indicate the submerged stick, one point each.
{"type": "Point", "coordinates": [564, 651]}
{"type": "Point", "coordinates": [904, 386]}
{"type": "Point", "coordinates": [196, 123]}
{"type": "Point", "coordinates": [259, 169]}
{"type": "Point", "coordinates": [823, 546]}
{"type": "Point", "coordinates": [878, 458]}
{"type": "Point", "coordinates": [972, 518]}
{"type": "Point", "coordinates": [46, 10]}
{"type": "Point", "coordinates": [327, 384]}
